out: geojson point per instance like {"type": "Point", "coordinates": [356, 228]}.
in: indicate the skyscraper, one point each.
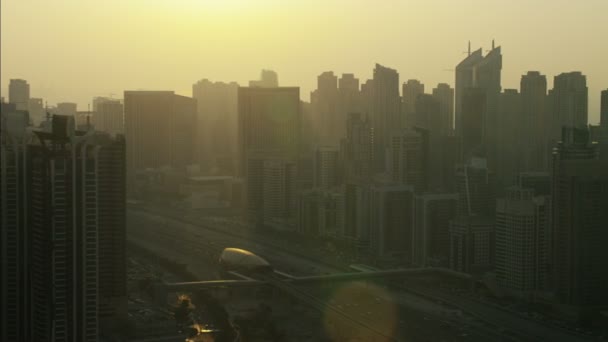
{"type": "Point", "coordinates": [429, 125]}
{"type": "Point", "coordinates": [217, 122]}
{"type": "Point", "coordinates": [75, 189]}
{"type": "Point", "coordinates": [431, 235]}
{"type": "Point", "coordinates": [386, 112]}
{"type": "Point", "coordinates": [475, 186]}
{"type": "Point", "coordinates": [410, 92]}
{"type": "Point", "coordinates": [14, 217]}
{"type": "Point", "coordinates": [580, 237]}
{"type": "Point", "coordinates": [512, 141]}
{"type": "Point", "coordinates": [484, 74]}
{"type": "Point", "coordinates": [472, 244]}
{"type": "Point", "coordinates": [428, 115]}
{"type": "Point", "coordinates": [472, 122]}
{"type": "Point", "coordinates": [536, 123]}
{"type": "Point", "coordinates": [357, 149]}
{"type": "Point", "coordinates": [268, 79]}
{"type": "Point", "coordinates": [408, 159]}
{"type": "Point", "coordinates": [523, 241]}
{"type": "Point", "coordinates": [108, 115]}
{"type": "Point", "coordinates": [349, 101]}
{"type": "Point", "coordinates": [37, 112]}
{"type": "Point", "coordinates": [269, 129]}
{"type": "Point", "coordinates": [569, 102]}
{"type": "Point", "coordinates": [67, 108]}
{"type": "Point", "coordinates": [269, 122]}
{"type": "Point", "coordinates": [160, 128]}
{"type": "Point", "coordinates": [356, 226]}
{"type": "Point", "coordinates": [444, 94]}
{"type": "Point", "coordinates": [465, 78]}
{"type": "Point", "coordinates": [392, 221]}
{"type": "Point", "coordinates": [19, 93]}
{"type": "Point", "coordinates": [327, 167]}
{"type": "Point", "coordinates": [279, 192]}
{"type": "Point", "coordinates": [328, 116]}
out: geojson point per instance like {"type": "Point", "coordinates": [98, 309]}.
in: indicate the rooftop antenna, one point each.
{"type": "Point", "coordinates": [469, 50]}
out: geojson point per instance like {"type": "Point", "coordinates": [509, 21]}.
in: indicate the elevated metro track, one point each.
{"type": "Point", "coordinates": [200, 285]}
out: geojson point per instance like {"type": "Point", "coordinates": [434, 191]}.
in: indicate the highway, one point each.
{"type": "Point", "coordinates": [198, 245]}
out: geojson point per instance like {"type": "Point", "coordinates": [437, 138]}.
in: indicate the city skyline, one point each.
{"type": "Point", "coordinates": [190, 49]}
{"type": "Point", "coordinates": [259, 170]}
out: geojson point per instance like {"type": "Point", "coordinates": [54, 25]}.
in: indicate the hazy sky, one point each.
{"type": "Point", "coordinates": [72, 50]}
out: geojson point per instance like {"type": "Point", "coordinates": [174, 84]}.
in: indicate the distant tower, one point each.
{"type": "Point", "coordinates": [268, 79]}
{"type": "Point", "coordinates": [410, 92]}
{"type": "Point", "coordinates": [444, 94]}
{"type": "Point", "coordinates": [569, 102]}
{"type": "Point", "coordinates": [464, 79]}
{"type": "Point", "coordinates": [19, 93]}
{"type": "Point", "coordinates": [535, 125]}
{"type": "Point", "coordinates": [386, 112]}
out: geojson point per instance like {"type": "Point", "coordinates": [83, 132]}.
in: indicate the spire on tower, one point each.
{"type": "Point", "coordinates": [492, 44]}
{"type": "Point", "coordinates": [469, 47]}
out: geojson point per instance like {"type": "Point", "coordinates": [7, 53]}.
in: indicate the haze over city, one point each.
{"type": "Point", "coordinates": [258, 170]}
{"type": "Point", "coordinates": [96, 48]}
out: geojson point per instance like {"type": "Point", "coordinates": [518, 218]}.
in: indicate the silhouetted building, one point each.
{"type": "Point", "coordinates": [269, 129]}
{"type": "Point", "coordinates": [217, 125]}
{"type": "Point", "coordinates": [579, 200]}
{"type": "Point", "coordinates": [268, 79]}
{"type": "Point", "coordinates": [386, 112]}
{"type": "Point", "coordinates": [472, 122]}
{"type": "Point", "coordinates": [569, 103]}
{"type": "Point", "coordinates": [108, 115]}
{"type": "Point", "coordinates": [511, 139]}
{"type": "Point", "coordinates": [471, 244]}
{"type": "Point", "coordinates": [328, 116]}
{"type": "Point", "coordinates": [465, 78]}
{"type": "Point", "coordinates": [431, 236]}
{"type": "Point", "coordinates": [484, 74]}
{"type": "Point", "coordinates": [75, 246]}
{"type": "Point", "coordinates": [320, 213]}
{"type": "Point", "coordinates": [327, 167]}
{"type": "Point", "coordinates": [450, 155]}
{"type": "Point", "coordinates": [19, 93]}
{"type": "Point", "coordinates": [356, 224]}
{"type": "Point", "coordinates": [540, 182]}
{"type": "Point", "coordinates": [444, 94]}
{"type": "Point", "coordinates": [15, 323]}
{"type": "Point", "coordinates": [410, 91]}
{"type": "Point", "coordinates": [408, 159]}
{"type": "Point", "coordinates": [278, 192]}
{"type": "Point", "coordinates": [475, 185]}
{"type": "Point", "coordinates": [536, 123]}
{"type": "Point", "coordinates": [37, 112]}
{"type": "Point", "coordinates": [357, 149]}
{"type": "Point", "coordinates": [66, 108]}
{"type": "Point", "coordinates": [523, 234]}
{"type": "Point", "coordinates": [349, 101]}
{"type": "Point", "coordinates": [430, 126]}
{"type": "Point", "coordinates": [428, 114]}
{"type": "Point", "coordinates": [160, 128]}
{"type": "Point", "coordinates": [392, 221]}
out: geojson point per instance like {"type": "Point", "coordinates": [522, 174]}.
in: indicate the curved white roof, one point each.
{"type": "Point", "coordinates": [241, 257]}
